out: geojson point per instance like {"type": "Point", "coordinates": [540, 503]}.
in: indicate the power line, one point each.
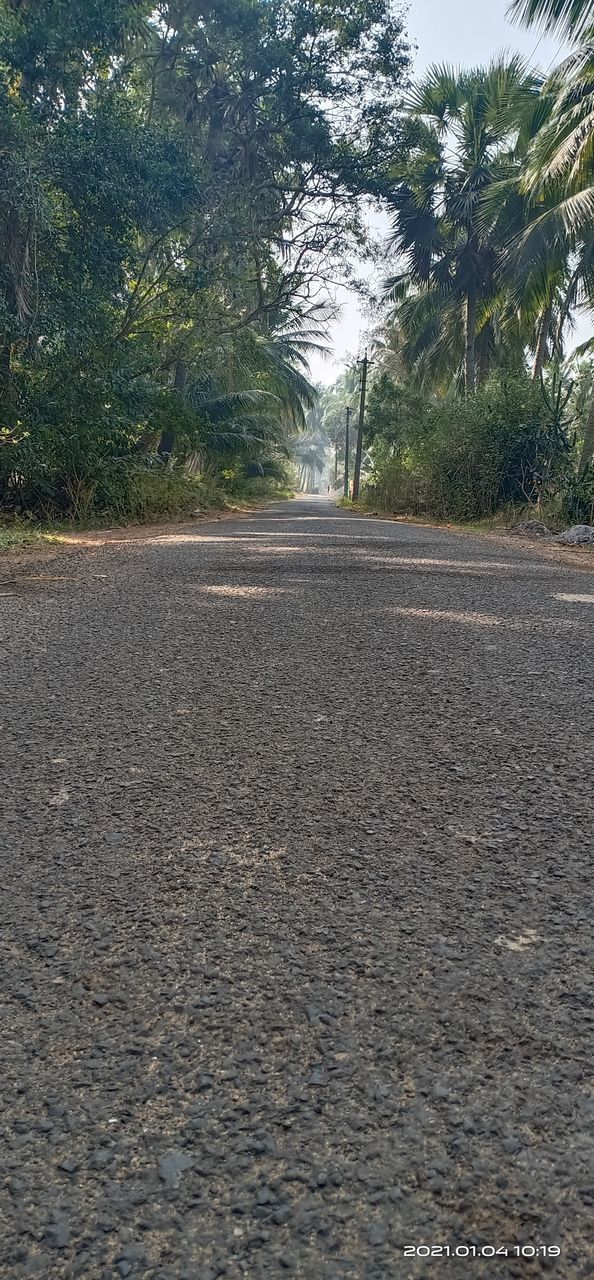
{"type": "Point", "coordinates": [536, 47]}
{"type": "Point", "coordinates": [553, 59]}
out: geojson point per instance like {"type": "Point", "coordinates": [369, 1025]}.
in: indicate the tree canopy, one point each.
{"type": "Point", "coordinates": [179, 184]}
{"type": "Point", "coordinates": [184, 183]}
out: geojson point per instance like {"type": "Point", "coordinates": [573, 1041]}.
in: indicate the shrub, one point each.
{"type": "Point", "coordinates": [464, 458]}
{"type": "Point", "coordinates": [578, 499]}
{"type": "Point", "coordinates": [158, 492]}
{"type": "Point", "coordinates": [86, 489]}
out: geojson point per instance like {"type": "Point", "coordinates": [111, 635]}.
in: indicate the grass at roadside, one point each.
{"type": "Point", "coordinates": [500, 522]}
{"type": "Point", "coordinates": [15, 536]}
{"type": "Point", "coordinates": [399, 517]}
{"type": "Point", "coordinates": [18, 535]}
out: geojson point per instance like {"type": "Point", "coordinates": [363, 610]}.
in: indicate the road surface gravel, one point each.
{"type": "Point", "coordinates": [296, 868]}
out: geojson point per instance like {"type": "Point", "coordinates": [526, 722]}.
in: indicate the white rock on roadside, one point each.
{"type": "Point", "coordinates": [579, 535]}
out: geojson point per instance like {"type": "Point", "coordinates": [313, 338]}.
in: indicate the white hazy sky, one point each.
{"type": "Point", "coordinates": [466, 33]}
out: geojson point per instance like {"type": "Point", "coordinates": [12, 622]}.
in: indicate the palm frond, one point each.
{"type": "Point", "coordinates": [567, 17]}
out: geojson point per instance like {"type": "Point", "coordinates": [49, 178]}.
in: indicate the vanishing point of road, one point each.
{"type": "Point", "coordinates": [296, 905]}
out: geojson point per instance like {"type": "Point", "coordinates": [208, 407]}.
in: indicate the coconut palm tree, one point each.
{"type": "Point", "coordinates": [560, 169]}
{"type": "Point", "coordinates": [308, 452]}
{"type": "Point", "coordinates": [560, 162]}
{"type": "Point", "coordinates": [256, 391]}
{"type": "Point", "coordinates": [568, 17]}
{"type": "Point", "coordinates": [561, 158]}
{"type": "Point", "coordinates": [468, 131]}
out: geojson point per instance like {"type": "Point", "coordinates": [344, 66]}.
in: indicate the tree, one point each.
{"type": "Point", "coordinates": [559, 176]}
{"type": "Point", "coordinates": [179, 183]}
{"type": "Point", "coordinates": [568, 17]}
{"type": "Point", "coordinates": [333, 404]}
{"type": "Point", "coordinates": [467, 137]}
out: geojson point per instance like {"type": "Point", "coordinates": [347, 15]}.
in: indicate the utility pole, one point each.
{"type": "Point", "coordinates": [359, 451]}
{"type": "Point", "coordinates": [346, 450]}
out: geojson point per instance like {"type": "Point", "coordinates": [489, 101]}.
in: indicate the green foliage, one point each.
{"type": "Point", "coordinates": [468, 133]}
{"type": "Point", "coordinates": [570, 17]}
{"type": "Point", "coordinates": [176, 184]}
{"type": "Point", "coordinates": [464, 458]}
{"type": "Point", "coordinates": [577, 502]}
{"type": "Point", "coordinates": [161, 493]}
{"type": "Point", "coordinates": [493, 211]}
{"type": "Point", "coordinates": [15, 535]}
{"type": "Point", "coordinates": [262, 477]}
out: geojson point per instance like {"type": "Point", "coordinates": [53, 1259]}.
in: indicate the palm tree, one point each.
{"type": "Point", "coordinates": [309, 447]}
{"type": "Point", "coordinates": [560, 167]}
{"type": "Point", "coordinates": [256, 391]}
{"type": "Point", "coordinates": [568, 17]}
{"type": "Point", "coordinates": [467, 132]}
{"type": "Point", "coordinates": [334, 401]}
{"type": "Point", "coordinates": [309, 453]}
{"type": "Point", "coordinates": [560, 172]}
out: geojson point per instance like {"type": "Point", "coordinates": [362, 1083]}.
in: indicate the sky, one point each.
{"type": "Point", "coordinates": [466, 33]}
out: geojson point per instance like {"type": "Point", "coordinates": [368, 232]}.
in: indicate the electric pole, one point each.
{"type": "Point", "coordinates": [346, 450]}
{"type": "Point", "coordinates": [359, 451]}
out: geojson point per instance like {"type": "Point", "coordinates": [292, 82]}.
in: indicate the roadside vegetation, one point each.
{"type": "Point", "coordinates": [480, 402]}
{"type": "Point", "coordinates": [181, 188]}
{"type": "Point", "coordinates": [178, 184]}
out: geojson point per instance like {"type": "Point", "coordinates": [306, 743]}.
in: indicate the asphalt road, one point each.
{"type": "Point", "coordinates": [296, 909]}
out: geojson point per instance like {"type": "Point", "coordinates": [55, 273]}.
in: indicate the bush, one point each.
{"type": "Point", "coordinates": [266, 478]}
{"type": "Point", "coordinates": [578, 499]}
{"type": "Point", "coordinates": [61, 476]}
{"type": "Point", "coordinates": [162, 493]}
{"type": "Point", "coordinates": [92, 488]}
{"type": "Point", "coordinates": [464, 458]}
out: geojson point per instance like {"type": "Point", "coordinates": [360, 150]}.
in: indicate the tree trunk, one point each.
{"type": "Point", "coordinates": [483, 365]}
{"type": "Point", "coordinates": [587, 453]}
{"type": "Point", "coordinates": [8, 295]}
{"type": "Point", "coordinates": [540, 353]}
{"type": "Point", "coordinates": [336, 466]}
{"type": "Point", "coordinates": [167, 440]}
{"type": "Point", "coordinates": [470, 344]}
{"type": "Point", "coordinates": [5, 383]}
